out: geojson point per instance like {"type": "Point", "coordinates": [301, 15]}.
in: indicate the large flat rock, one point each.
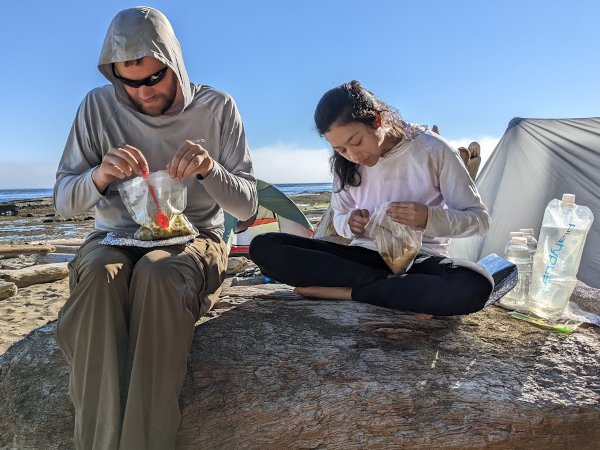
{"type": "Point", "coordinates": [269, 369]}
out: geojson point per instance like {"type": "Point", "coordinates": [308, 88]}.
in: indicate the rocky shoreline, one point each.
{"type": "Point", "coordinates": [36, 220]}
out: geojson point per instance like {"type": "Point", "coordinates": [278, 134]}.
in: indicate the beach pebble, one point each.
{"type": "Point", "coordinates": [247, 281]}
{"type": "Point", "coordinates": [7, 289]}
{"type": "Point", "coordinates": [18, 262]}
{"type": "Point", "coordinates": [235, 264]}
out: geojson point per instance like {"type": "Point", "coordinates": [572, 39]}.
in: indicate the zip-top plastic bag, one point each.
{"type": "Point", "coordinates": [141, 196]}
{"type": "Point", "coordinates": [398, 244]}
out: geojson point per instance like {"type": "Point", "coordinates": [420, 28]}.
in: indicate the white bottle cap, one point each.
{"type": "Point", "coordinates": [513, 234]}
{"type": "Point", "coordinates": [568, 198]}
{"type": "Point", "coordinates": [527, 231]}
{"type": "Point", "coordinates": [519, 240]}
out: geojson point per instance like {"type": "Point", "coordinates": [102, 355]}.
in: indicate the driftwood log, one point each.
{"type": "Point", "coordinates": [66, 249]}
{"type": "Point", "coordinates": [71, 242]}
{"type": "Point", "coordinates": [42, 273]}
{"type": "Point", "coordinates": [272, 370]}
{"type": "Point", "coordinates": [25, 249]}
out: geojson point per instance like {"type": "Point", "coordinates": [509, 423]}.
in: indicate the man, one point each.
{"type": "Point", "coordinates": [127, 326]}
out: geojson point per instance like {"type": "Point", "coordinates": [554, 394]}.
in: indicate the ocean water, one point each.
{"type": "Point", "coordinates": [9, 195]}
{"type": "Point", "coordinates": [289, 189]}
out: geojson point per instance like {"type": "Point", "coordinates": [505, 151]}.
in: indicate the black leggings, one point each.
{"type": "Point", "coordinates": [433, 285]}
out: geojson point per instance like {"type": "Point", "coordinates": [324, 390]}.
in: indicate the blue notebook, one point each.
{"type": "Point", "coordinates": [503, 272]}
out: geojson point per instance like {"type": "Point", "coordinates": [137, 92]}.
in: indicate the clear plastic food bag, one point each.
{"type": "Point", "coordinates": [171, 196]}
{"type": "Point", "coordinates": [398, 244]}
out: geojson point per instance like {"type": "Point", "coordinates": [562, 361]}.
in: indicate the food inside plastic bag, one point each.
{"type": "Point", "coordinates": [398, 244]}
{"type": "Point", "coordinates": [178, 226]}
{"type": "Point", "coordinates": [171, 195]}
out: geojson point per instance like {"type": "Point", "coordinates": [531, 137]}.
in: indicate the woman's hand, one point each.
{"type": "Point", "coordinates": [409, 213]}
{"type": "Point", "coordinates": [190, 160]}
{"type": "Point", "coordinates": [358, 220]}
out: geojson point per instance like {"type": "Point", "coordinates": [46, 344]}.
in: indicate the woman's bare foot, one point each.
{"type": "Point", "coordinates": [332, 293]}
{"type": "Point", "coordinates": [337, 293]}
{"type": "Point", "coordinates": [423, 316]}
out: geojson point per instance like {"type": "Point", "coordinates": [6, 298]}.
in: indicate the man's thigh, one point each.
{"type": "Point", "coordinates": [201, 264]}
{"type": "Point", "coordinates": [104, 262]}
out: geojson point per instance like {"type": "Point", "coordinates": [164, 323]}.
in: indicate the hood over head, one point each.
{"type": "Point", "coordinates": [138, 32]}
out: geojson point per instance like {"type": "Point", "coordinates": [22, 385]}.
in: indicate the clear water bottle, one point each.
{"type": "Point", "coordinates": [531, 240]}
{"type": "Point", "coordinates": [518, 254]}
{"type": "Point", "coordinates": [556, 262]}
{"type": "Point", "coordinates": [511, 235]}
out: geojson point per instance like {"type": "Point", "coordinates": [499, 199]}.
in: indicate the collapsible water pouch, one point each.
{"type": "Point", "coordinates": [556, 261]}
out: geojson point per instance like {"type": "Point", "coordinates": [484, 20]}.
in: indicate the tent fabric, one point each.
{"type": "Point", "coordinates": [272, 203]}
{"type": "Point", "coordinates": [273, 199]}
{"type": "Point", "coordinates": [536, 161]}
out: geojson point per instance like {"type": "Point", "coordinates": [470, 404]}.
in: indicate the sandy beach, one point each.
{"type": "Point", "coordinates": [35, 305]}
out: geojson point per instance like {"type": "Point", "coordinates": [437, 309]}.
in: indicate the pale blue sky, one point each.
{"type": "Point", "coordinates": [467, 66]}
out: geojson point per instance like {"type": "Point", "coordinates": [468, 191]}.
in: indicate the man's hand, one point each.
{"type": "Point", "coordinates": [118, 163]}
{"type": "Point", "coordinates": [409, 213]}
{"type": "Point", "coordinates": [190, 160]}
{"type": "Point", "coordinates": [358, 220]}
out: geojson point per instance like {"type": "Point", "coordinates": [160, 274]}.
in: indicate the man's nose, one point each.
{"type": "Point", "coordinates": [145, 92]}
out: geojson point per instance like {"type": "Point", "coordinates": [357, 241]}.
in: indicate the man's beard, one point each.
{"type": "Point", "coordinates": [168, 99]}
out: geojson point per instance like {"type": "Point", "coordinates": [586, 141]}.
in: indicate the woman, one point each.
{"type": "Point", "coordinates": [379, 158]}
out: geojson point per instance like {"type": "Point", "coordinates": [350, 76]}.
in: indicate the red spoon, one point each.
{"type": "Point", "coordinates": [162, 219]}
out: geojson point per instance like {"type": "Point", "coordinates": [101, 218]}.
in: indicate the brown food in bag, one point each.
{"type": "Point", "coordinates": [397, 244]}
{"type": "Point", "coordinates": [400, 263]}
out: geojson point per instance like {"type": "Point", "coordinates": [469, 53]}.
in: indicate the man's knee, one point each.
{"type": "Point", "coordinates": [163, 285]}
{"type": "Point", "coordinates": [176, 275]}
{"type": "Point", "coordinates": [158, 270]}
{"type": "Point", "coordinates": [103, 268]}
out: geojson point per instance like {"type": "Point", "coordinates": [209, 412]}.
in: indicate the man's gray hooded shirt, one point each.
{"type": "Point", "coordinates": [107, 118]}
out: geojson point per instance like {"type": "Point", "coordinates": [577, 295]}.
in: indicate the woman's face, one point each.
{"type": "Point", "coordinates": [357, 142]}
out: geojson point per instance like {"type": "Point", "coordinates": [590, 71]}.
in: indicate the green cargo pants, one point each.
{"type": "Point", "coordinates": [126, 332]}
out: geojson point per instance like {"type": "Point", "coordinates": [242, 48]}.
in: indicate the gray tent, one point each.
{"type": "Point", "coordinates": [535, 161]}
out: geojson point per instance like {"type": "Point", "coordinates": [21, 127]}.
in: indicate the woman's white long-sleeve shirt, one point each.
{"type": "Point", "coordinates": [425, 170]}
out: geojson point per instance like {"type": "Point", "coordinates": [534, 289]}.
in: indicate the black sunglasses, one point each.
{"type": "Point", "coordinates": [148, 81]}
